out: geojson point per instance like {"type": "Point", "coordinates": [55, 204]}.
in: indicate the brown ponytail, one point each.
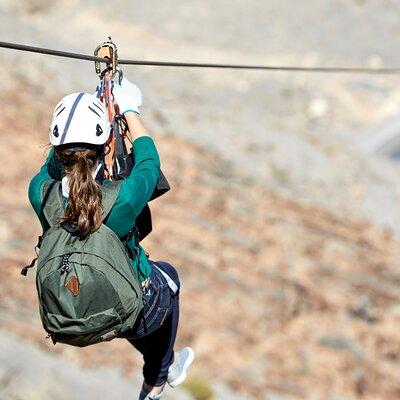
{"type": "Point", "coordinates": [84, 208]}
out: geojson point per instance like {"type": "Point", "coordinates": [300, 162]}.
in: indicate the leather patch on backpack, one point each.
{"type": "Point", "coordinates": [73, 285]}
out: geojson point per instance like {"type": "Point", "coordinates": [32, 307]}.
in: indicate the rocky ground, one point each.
{"type": "Point", "coordinates": [26, 372]}
{"type": "Point", "coordinates": [282, 220]}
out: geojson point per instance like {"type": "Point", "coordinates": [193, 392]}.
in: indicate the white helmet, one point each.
{"type": "Point", "coordinates": [79, 118]}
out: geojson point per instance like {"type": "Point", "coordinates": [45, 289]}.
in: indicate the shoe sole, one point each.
{"type": "Point", "coordinates": [183, 375]}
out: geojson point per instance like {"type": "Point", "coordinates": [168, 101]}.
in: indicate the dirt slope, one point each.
{"type": "Point", "coordinates": [278, 296]}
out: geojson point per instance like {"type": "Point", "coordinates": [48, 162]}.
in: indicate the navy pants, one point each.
{"type": "Point", "coordinates": [155, 330]}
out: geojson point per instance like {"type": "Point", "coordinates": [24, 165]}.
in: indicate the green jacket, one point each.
{"type": "Point", "coordinates": [135, 192]}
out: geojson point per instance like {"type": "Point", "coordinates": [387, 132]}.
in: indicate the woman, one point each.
{"type": "Point", "coordinates": [79, 132]}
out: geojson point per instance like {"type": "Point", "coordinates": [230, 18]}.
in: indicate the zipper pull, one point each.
{"type": "Point", "coordinates": [65, 264]}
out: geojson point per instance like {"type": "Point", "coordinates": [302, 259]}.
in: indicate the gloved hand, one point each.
{"type": "Point", "coordinates": [127, 95]}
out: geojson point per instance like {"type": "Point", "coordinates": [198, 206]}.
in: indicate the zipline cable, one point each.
{"type": "Point", "coordinates": [59, 53]}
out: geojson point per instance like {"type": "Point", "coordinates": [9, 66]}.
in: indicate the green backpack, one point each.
{"type": "Point", "coordinates": [87, 289]}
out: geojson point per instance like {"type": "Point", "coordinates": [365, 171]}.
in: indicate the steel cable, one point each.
{"type": "Point", "coordinates": [78, 56]}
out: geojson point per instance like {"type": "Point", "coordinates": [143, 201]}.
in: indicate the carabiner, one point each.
{"type": "Point", "coordinates": [109, 51]}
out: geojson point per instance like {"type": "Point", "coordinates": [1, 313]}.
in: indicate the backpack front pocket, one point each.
{"type": "Point", "coordinates": [88, 305]}
{"type": "Point", "coordinates": [57, 323]}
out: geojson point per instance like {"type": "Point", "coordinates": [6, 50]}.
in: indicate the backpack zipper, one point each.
{"type": "Point", "coordinates": [65, 263]}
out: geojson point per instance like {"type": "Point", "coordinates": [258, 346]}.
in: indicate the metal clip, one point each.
{"type": "Point", "coordinates": [107, 50]}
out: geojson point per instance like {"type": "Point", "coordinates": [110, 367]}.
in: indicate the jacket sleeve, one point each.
{"type": "Point", "coordinates": [35, 187]}
{"type": "Point", "coordinates": [136, 189]}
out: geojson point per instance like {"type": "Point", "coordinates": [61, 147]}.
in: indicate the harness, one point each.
{"type": "Point", "coordinates": [118, 162]}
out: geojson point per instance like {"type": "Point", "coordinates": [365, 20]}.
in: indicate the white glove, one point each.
{"type": "Point", "coordinates": [128, 96]}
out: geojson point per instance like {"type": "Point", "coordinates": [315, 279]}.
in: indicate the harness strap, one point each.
{"type": "Point", "coordinates": [24, 270]}
{"type": "Point", "coordinates": [172, 285]}
{"type": "Point", "coordinates": [52, 202]}
{"type": "Point", "coordinates": [110, 193]}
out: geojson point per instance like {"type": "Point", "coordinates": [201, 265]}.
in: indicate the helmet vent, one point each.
{"type": "Point", "coordinates": [99, 130]}
{"type": "Point", "coordinates": [55, 131]}
{"type": "Point", "coordinates": [91, 109]}
{"type": "Point", "coordinates": [58, 107]}
{"type": "Point", "coordinates": [98, 107]}
{"type": "Point", "coordinates": [60, 111]}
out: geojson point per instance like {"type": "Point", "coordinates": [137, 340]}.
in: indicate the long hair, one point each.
{"type": "Point", "coordinates": [84, 209]}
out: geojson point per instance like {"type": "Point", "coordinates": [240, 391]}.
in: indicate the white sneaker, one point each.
{"type": "Point", "coordinates": [177, 370]}
{"type": "Point", "coordinates": [148, 396]}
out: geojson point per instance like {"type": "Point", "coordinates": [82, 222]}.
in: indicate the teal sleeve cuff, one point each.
{"type": "Point", "coordinates": [137, 112]}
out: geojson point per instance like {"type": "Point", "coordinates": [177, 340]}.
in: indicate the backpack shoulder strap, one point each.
{"type": "Point", "coordinates": [52, 202]}
{"type": "Point", "coordinates": [53, 205]}
{"type": "Point", "coordinates": [110, 193]}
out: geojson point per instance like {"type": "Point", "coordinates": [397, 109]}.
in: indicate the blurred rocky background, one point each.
{"type": "Point", "coordinates": [283, 219]}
